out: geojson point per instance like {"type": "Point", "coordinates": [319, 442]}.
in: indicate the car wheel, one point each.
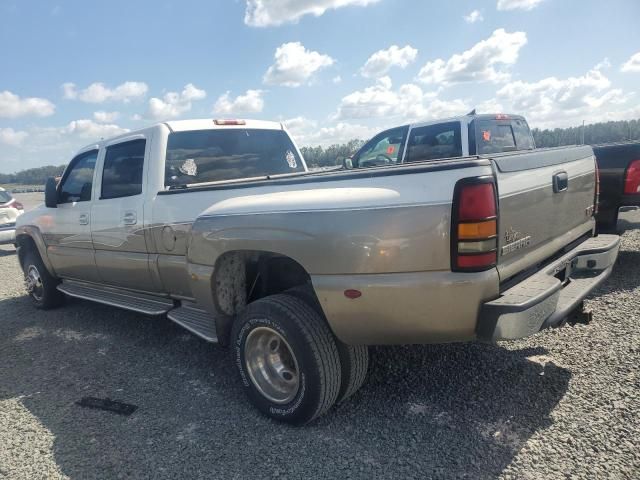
{"type": "Point", "coordinates": [287, 358]}
{"type": "Point", "coordinates": [354, 359]}
{"type": "Point", "coordinates": [41, 285]}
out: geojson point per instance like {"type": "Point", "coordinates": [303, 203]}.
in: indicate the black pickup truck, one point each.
{"type": "Point", "coordinates": [619, 165]}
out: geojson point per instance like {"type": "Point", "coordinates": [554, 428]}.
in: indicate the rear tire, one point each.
{"type": "Point", "coordinates": [41, 285]}
{"type": "Point", "coordinates": [287, 358]}
{"type": "Point", "coordinates": [354, 359]}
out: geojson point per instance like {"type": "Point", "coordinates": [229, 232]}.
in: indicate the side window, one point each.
{"type": "Point", "coordinates": [442, 140]}
{"type": "Point", "coordinates": [521, 131]}
{"type": "Point", "coordinates": [383, 149]}
{"type": "Point", "coordinates": [495, 138]}
{"type": "Point", "coordinates": [122, 173]}
{"type": "Point", "coordinates": [78, 181]}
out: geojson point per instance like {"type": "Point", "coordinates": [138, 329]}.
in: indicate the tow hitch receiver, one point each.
{"type": "Point", "coordinates": [580, 315]}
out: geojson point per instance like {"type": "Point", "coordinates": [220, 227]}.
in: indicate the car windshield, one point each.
{"type": "Point", "coordinates": [202, 156]}
{"type": "Point", "coordinates": [5, 197]}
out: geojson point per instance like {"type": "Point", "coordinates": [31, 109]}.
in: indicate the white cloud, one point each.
{"type": "Point", "coordinates": [105, 117]}
{"type": "Point", "coordinates": [99, 93]}
{"type": "Point", "coordinates": [250, 102]}
{"type": "Point", "coordinates": [474, 17]}
{"type": "Point", "coordinates": [555, 102]}
{"type": "Point", "coordinates": [295, 65]}
{"type": "Point", "coordinates": [381, 62]}
{"type": "Point", "coordinates": [632, 65]}
{"type": "Point", "coordinates": [408, 103]}
{"type": "Point", "coordinates": [88, 129]}
{"type": "Point", "coordinates": [480, 63]}
{"type": "Point", "coordinates": [12, 106]}
{"type": "Point", "coordinates": [9, 136]}
{"type": "Point", "coordinates": [174, 104]}
{"type": "Point", "coordinates": [337, 79]}
{"type": "Point", "coordinates": [267, 13]}
{"type": "Point", "coordinates": [518, 4]}
{"type": "Point", "coordinates": [306, 132]}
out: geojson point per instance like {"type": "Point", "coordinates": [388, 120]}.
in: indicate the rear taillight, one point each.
{"type": "Point", "coordinates": [474, 225]}
{"type": "Point", "coordinates": [632, 179]}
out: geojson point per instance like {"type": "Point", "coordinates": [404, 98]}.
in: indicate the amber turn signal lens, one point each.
{"type": "Point", "coordinates": [476, 230]}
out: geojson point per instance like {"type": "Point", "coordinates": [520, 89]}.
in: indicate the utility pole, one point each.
{"type": "Point", "coordinates": [582, 132]}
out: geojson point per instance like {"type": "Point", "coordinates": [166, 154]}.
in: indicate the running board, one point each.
{"type": "Point", "coordinates": [199, 322]}
{"type": "Point", "coordinates": [137, 302]}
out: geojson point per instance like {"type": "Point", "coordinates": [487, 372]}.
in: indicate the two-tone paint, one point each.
{"type": "Point", "coordinates": [383, 231]}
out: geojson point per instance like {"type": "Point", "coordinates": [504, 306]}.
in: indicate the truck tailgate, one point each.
{"type": "Point", "coordinates": [545, 202]}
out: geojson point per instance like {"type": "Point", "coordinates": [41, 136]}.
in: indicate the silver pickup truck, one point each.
{"type": "Point", "coordinates": [219, 225]}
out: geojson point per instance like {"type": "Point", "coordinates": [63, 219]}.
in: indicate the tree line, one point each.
{"type": "Point", "coordinates": [318, 157]}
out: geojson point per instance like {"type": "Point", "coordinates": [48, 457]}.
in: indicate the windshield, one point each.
{"type": "Point", "coordinates": [202, 156]}
{"type": "Point", "coordinates": [5, 197]}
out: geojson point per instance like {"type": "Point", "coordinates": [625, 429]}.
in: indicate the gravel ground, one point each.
{"type": "Point", "coordinates": [564, 403]}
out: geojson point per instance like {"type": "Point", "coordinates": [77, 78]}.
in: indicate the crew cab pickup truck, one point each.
{"type": "Point", "coordinates": [619, 165]}
{"type": "Point", "coordinates": [218, 225]}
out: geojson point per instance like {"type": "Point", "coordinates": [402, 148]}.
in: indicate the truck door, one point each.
{"type": "Point", "coordinates": [67, 233]}
{"type": "Point", "coordinates": [117, 230]}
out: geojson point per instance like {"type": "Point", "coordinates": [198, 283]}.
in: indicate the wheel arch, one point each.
{"type": "Point", "coordinates": [30, 237]}
{"type": "Point", "coordinates": [239, 277]}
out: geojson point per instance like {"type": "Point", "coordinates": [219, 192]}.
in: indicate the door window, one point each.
{"type": "Point", "coordinates": [441, 140]}
{"type": "Point", "coordinates": [495, 138]}
{"type": "Point", "coordinates": [78, 181]}
{"type": "Point", "coordinates": [122, 173]}
{"type": "Point", "coordinates": [524, 139]}
{"type": "Point", "coordinates": [383, 149]}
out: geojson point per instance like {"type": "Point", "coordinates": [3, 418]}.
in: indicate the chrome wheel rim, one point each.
{"type": "Point", "coordinates": [33, 282]}
{"type": "Point", "coordinates": [271, 364]}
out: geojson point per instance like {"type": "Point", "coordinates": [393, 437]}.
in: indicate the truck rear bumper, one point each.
{"type": "Point", "coordinates": [548, 297]}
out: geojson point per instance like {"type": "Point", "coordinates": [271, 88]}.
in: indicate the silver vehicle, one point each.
{"type": "Point", "coordinates": [10, 210]}
{"type": "Point", "coordinates": [219, 225]}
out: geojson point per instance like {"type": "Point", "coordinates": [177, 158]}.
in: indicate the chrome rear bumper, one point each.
{"type": "Point", "coordinates": [548, 297]}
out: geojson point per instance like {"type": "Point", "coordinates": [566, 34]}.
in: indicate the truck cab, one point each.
{"type": "Point", "coordinates": [450, 138]}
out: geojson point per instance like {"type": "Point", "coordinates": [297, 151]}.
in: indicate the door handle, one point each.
{"type": "Point", "coordinates": [83, 219]}
{"type": "Point", "coordinates": [130, 218]}
{"type": "Point", "coordinates": [560, 182]}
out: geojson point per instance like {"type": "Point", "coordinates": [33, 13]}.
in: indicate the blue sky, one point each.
{"type": "Point", "coordinates": [75, 71]}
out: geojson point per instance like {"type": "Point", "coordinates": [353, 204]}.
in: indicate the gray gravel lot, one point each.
{"type": "Point", "coordinates": [564, 403]}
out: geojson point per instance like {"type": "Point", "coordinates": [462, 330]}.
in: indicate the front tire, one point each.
{"type": "Point", "coordinates": [41, 285]}
{"type": "Point", "coordinates": [287, 358]}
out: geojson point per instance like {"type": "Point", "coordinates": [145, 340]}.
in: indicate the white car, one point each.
{"type": "Point", "coordinates": [10, 210]}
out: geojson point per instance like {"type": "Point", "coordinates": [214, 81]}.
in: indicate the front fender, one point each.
{"type": "Point", "coordinates": [33, 233]}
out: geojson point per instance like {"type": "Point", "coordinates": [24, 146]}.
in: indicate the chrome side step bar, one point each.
{"type": "Point", "coordinates": [138, 302]}
{"type": "Point", "coordinates": [197, 321]}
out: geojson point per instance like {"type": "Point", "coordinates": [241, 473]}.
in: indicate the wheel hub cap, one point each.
{"type": "Point", "coordinates": [271, 364]}
{"type": "Point", "coordinates": [33, 282]}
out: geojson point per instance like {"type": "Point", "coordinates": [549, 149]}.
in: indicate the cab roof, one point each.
{"type": "Point", "coordinates": [187, 125]}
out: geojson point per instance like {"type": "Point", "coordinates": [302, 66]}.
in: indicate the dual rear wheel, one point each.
{"type": "Point", "coordinates": [292, 367]}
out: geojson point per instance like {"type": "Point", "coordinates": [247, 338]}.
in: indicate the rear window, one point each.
{"type": "Point", "coordinates": [434, 141]}
{"type": "Point", "coordinates": [4, 197]}
{"type": "Point", "coordinates": [201, 156]}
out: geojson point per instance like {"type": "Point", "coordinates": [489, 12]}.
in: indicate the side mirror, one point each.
{"type": "Point", "coordinates": [347, 163]}
{"type": "Point", "coordinates": [51, 193]}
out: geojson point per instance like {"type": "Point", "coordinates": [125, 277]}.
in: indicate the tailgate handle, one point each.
{"type": "Point", "coordinates": [560, 182]}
